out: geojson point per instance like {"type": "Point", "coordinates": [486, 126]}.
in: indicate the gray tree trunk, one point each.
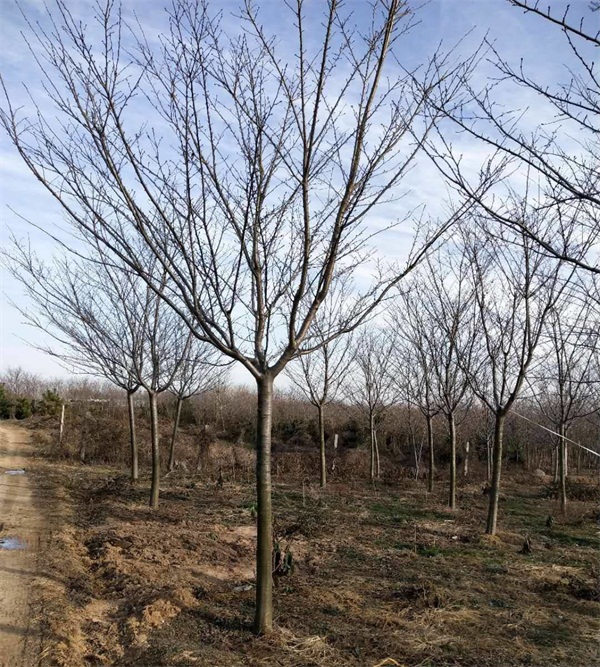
{"type": "Point", "coordinates": [562, 469]}
{"type": "Point", "coordinates": [155, 488]}
{"type": "Point", "coordinates": [466, 463]}
{"type": "Point", "coordinates": [263, 619]}
{"type": "Point", "coordinates": [492, 518]}
{"type": "Point", "coordinates": [377, 459]}
{"type": "Point", "coordinates": [372, 435]}
{"type": "Point", "coordinates": [132, 438]}
{"type": "Point", "coordinates": [452, 429]}
{"type": "Point", "coordinates": [174, 436]}
{"type": "Point", "coordinates": [322, 447]}
{"type": "Point", "coordinates": [488, 460]}
{"type": "Point", "coordinates": [430, 483]}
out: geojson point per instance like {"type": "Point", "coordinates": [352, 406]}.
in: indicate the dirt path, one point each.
{"type": "Point", "coordinates": [19, 544]}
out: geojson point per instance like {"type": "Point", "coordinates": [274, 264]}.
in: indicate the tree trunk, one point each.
{"type": "Point", "coordinates": [428, 420]}
{"type": "Point", "coordinates": [155, 488]}
{"type": "Point", "coordinates": [555, 457]}
{"type": "Point", "coordinates": [492, 518]}
{"type": "Point", "coordinates": [174, 436]}
{"type": "Point", "coordinates": [488, 460]}
{"type": "Point", "coordinates": [372, 434]}
{"type": "Point", "coordinates": [263, 620]}
{"type": "Point", "coordinates": [562, 469]}
{"type": "Point", "coordinates": [377, 459]}
{"type": "Point", "coordinates": [466, 463]}
{"type": "Point", "coordinates": [132, 438]}
{"type": "Point", "coordinates": [322, 447]}
{"type": "Point", "coordinates": [452, 429]}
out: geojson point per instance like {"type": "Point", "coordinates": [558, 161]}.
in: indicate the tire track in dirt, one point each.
{"type": "Point", "coordinates": [19, 545]}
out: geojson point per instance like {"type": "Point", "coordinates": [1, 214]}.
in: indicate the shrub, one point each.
{"type": "Point", "coordinates": [22, 408]}
{"type": "Point", "coordinates": [50, 403]}
{"type": "Point", "coordinates": [5, 403]}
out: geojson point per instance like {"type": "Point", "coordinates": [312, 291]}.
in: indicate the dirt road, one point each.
{"type": "Point", "coordinates": [19, 544]}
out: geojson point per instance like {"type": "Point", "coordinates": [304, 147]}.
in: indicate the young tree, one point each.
{"type": "Point", "coordinates": [252, 178]}
{"type": "Point", "coordinates": [563, 387]}
{"type": "Point", "coordinates": [515, 290]}
{"type": "Point", "coordinates": [166, 345]}
{"type": "Point", "coordinates": [370, 384]}
{"type": "Point", "coordinates": [413, 364]}
{"type": "Point", "coordinates": [448, 335]}
{"type": "Point", "coordinates": [82, 305]}
{"type": "Point", "coordinates": [201, 370]}
{"type": "Point", "coordinates": [321, 374]}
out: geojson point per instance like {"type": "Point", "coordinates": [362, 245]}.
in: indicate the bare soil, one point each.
{"type": "Point", "coordinates": [384, 572]}
{"type": "Point", "coordinates": [20, 532]}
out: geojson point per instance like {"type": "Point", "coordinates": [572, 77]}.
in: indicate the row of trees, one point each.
{"type": "Point", "coordinates": [236, 214]}
{"type": "Point", "coordinates": [485, 320]}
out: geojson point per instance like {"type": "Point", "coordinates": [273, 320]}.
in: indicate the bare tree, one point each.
{"type": "Point", "coordinates": [201, 370]}
{"type": "Point", "coordinates": [321, 374]}
{"type": "Point", "coordinates": [252, 178]}
{"type": "Point", "coordinates": [370, 384]}
{"type": "Point", "coordinates": [448, 334]}
{"type": "Point", "coordinates": [563, 381]}
{"type": "Point", "coordinates": [82, 305]}
{"type": "Point", "coordinates": [515, 291]}
{"type": "Point", "coordinates": [412, 362]}
{"type": "Point", "coordinates": [166, 346]}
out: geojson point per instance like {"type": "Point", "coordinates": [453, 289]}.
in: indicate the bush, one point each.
{"type": "Point", "coordinates": [5, 403]}
{"type": "Point", "coordinates": [22, 408]}
{"type": "Point", "coordinates": [50, 403]}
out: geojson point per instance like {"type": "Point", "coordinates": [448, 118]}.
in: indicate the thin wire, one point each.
{"type": "Point", "coordinates": [564, 437]}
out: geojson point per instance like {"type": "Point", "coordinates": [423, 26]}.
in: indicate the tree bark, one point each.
{"type": "Point", "coordinates": [132, 438]}
{"type": "Point", "coordinates": [372, 434]}
{"type": "Point", "coordinates": [562, 468]}
{"type": "Point", "coordinates": [492, 518]}
{"type": "Point", "coordinates": [488, 459]}
{"type": "Point", "coordinates": [155, 488]}
{"type": "Point", "coordinates": [322, 447]}
{"type": "Point", "coordinates": [452, 429]}
{"type": "Point", "coordinates": [430, 483]}
{"type": "Point", "coordinates": [466, 463]}
{"type": "Point", "coordinates": [377, 459]}
{"type": "Point", "coordinates": [263, 620]}
{"type": "Point", "coordinates": [174, 436]}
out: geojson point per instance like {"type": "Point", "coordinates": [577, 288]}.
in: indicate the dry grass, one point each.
{"type": "Point", "coordinates": [384, 576]}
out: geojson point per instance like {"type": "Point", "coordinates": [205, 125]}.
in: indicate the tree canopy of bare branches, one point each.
{"type": "Point", "coordinates": [251, 177]}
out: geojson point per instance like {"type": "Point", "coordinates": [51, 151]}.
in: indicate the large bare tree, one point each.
{"type": "Point", "coordinates": [248, 165]}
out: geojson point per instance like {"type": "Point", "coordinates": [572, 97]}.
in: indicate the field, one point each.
{"type": "Point", "coordinates": [380, 572]}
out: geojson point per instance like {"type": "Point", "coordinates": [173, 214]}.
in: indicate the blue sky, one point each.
{"type": "Point", "coordinates": [515, 35]}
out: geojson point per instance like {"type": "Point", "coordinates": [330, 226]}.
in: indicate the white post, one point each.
{"type": "Point", "coordinates": [62, 423]}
